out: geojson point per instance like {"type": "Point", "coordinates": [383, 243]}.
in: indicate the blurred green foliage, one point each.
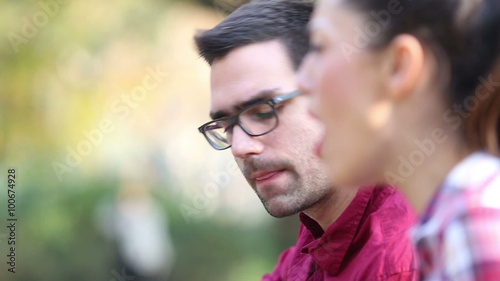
{"type": "Point", "coordinates": [59, 76]}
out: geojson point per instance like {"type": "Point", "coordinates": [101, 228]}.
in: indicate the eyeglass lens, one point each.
{"type": "Point", "coordinates": [256, 120]}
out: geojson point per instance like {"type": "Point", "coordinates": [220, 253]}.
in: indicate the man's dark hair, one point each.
{"type": "Point", "coordinates": [259, 21]}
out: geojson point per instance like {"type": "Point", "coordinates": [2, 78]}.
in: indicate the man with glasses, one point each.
{"type": "Point", "coordinates": [256, 111]}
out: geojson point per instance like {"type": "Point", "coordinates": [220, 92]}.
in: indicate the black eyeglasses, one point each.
{"type": "Point", "coordinates": [256, 120]}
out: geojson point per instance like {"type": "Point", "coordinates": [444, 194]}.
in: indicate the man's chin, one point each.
{"type": "Point", "coordinates": [280, 210]}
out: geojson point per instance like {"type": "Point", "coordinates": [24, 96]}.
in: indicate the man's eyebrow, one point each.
{"type": "Point", "coordinates": [253, 99]}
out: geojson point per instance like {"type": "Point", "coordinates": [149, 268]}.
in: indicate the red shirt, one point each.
{"type": "Point", "coordinates": [369, 241]}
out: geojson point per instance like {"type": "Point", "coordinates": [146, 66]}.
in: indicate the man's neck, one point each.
{"type": "Point", "coordinates": [328, 210]}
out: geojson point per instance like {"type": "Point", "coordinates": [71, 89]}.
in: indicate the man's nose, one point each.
{"type": "Point", "coordinates": [243, 145]}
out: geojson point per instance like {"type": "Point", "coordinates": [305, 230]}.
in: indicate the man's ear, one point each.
{"type": "Point", "coordinates": [405, 67]}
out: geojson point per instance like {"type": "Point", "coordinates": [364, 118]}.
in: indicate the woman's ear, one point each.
{"type": "Point", "coordinates": [405, 67]}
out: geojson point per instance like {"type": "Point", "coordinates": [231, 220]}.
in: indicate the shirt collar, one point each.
{"type": "Point", "coordinates": [330, 248]}
{"type": "Point", "coordinates": [473, 170]}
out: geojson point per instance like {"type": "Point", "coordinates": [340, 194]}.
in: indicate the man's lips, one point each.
{"type": "Point", "coordinates": [266, 175]}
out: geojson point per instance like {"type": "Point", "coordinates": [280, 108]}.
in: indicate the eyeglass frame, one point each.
{"type": "Point", "coordinates": [233, 120]}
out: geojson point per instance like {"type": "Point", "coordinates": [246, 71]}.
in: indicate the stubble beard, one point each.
{"type": "Point", "coordinates": [300, 197]}
{"type": "Point", "coordinates": [303, 192]}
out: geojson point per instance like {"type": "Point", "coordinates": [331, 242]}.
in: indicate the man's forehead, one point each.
{"type": "Point", "coordinates": [248, 73]}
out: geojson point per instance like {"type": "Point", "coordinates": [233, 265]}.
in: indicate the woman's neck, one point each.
{"type": "Point", "coordinates": [424, 167]}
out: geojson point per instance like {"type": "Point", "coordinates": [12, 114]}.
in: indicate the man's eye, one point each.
{"type": "Point", "coordinates": [264, 115]}
{"type": "Point", "coordinates": [260, 112]}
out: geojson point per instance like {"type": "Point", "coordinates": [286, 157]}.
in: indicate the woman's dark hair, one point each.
{"type": "Point", "coordinates": [484, 125]}
{"type": "Point", "coordinates": [464, 37]}
{"type": "Point", "coordinates": [260, 21]}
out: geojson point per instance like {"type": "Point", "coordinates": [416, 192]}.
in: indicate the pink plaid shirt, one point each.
{"type": "Point", "coordinates": [459, 235]}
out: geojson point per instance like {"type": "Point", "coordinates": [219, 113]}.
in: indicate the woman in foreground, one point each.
{"type": "Point", "coordinates": [409, 92]}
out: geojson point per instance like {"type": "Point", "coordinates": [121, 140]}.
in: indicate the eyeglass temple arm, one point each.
{"type": "Point", "coordinates": [286, 96]}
